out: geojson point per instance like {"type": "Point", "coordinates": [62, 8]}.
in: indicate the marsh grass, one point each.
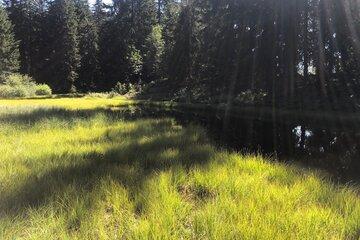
{"type": "Point", "coordinates": [80, 169]}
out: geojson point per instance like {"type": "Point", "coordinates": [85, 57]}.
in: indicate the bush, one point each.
{"type": "Point", "coordinates": [121, 88]}
{"type": "Point", "coordinates": [249, 97]}
{"type": "Point", "coordinates": [133, 89]}
{"type": "Point", "coordinates": [6, 91]}
{"type": "Point", "coordinates": [101, 95]}
{"type": "Point", "coordinates": [14, 80]}
{"type": "Point", "coordinates": [17, 85]}
{"type": "Point", "coordinates": [12, 92]}
{"type": "Point", "coordinates": [126, 88]}
{"type": "Point", "coordinates": [42, 90]}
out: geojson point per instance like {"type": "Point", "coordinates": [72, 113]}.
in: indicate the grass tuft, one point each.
{"type": "Point", "coordinates": [80, 169]}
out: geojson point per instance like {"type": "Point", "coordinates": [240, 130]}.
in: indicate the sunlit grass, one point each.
{"type": "Point", "coordinates": [68, 171]}
{"type": "Point", "coordinates": [68, 103]}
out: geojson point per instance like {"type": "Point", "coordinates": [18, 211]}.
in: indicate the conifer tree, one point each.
{"type": "Point", "coordinates": [99, 13]}
{"type": "Point", "coordinates": [9, 53]}
{"type": "Point", "coordinates": [21, 17]}
{"type": "Point", "coordinates": [147, 38]}
{"type": "Point", "coordinates": [185, 49]}
{"type": "Point", "coordinates": [64, 57]}
{"type": "Point", "coordinates": [168, 22]}
{"type": "Point", "coordinates": [88, 47]}
{"type": "Point", "coordinates": [29, 29]}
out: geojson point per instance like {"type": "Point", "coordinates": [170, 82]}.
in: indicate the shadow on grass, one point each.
{"type": "Point", "coordinates": [32, 117]}
{"type": "Point", "coordinates": [131, 158]}
{"type": "Point", "coordinates": [321, 145]}
{"type": "Point", "coordinates": [27, 116]}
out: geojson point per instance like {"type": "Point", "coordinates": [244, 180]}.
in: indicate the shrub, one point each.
{"type": "Point", "coordinates": [133, 88]}
{"type": "Point", "coordinates": [14, 80]}
{"type": "Point", "coordinates": [5, 91]}
{"type": "Point", "coordinates": [112, 94]}
{"type": "Point", "coordinates": [12, 92]}
{"type": "Point", "coordinates": [43, 90]}
{"type": "Point", "coordinates": [121, 88]}
{"type": "Point", "coordinates": [249, 97]}
{"type": "Point", "coordinates": [17, 85]}
{"type": "Point", "coordinates": [22, 91]}
{"type": "Point", "coordinates": [101, 95]}
{"type": "Point", "coordinates": [126, 88]}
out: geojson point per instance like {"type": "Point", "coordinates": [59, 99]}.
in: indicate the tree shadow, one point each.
{"type": "Point", "coordinates": [331, 146]}
{"type": "Point", "coordinates": [134, 156]}
{"type": "Point", "coordinates": [31, 117]}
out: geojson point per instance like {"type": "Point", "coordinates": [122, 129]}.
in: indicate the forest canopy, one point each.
{"type": "Point", "coordinates": [283, 53]}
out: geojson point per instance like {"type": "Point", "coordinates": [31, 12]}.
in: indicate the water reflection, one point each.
{"type": "Point", "coordinates": [333, 145]}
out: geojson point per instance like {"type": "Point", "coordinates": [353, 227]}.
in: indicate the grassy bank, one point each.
{"type": "Point", "coordinates": [80, 169]}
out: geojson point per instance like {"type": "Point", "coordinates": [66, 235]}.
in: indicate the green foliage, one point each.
{"type": "Point", "coordinates": [9, 52]}
{"type": "Point", "coordinates": [88, 47]}
{"type": "Point", "coordinates": [111, 94]}
{"type": "Point", "coordinates": [153, 56]}
{"type": "Point", "coordinates": [121, 88]}
{"type": "Point", "coordinates": [169, 23]}
{"type": "Point", "coordinates": [17, 79]}
{"type": "Point", "coordinates": [126, 88]}
{"type": "Point", "coordinates": [250, 97]}
{"type": "Point", "coordinates": [43, 90]}
{"type": "Point", "coordinates": [135, 60]}
{"type": "Point", "coordinates": [29, 29]}
{"type": "Point", "coordinates": [123, 43]}
{"type": "Point", "coordinates": [64, 38]}
{"type": "Point", "coordinates": [182, 55]}
{"type": "Point", "coordinates": [287, 49]}
{"type": "Point", "coordinates": [17, 85]}
{"type": "Point", "coordinates": [13, 92]}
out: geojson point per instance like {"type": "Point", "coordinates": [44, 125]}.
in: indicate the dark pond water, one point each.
{"type": "Point", "coordinates": [329, 144]}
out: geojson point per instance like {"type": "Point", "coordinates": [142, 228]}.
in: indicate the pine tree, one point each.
{"type": "Point", "coordinates": [114, 36]}
{"type": "Point", "coordinates": [99, 13]}
{"type": "Point", "coordinates": [88, 47]}
{"type": "Point", "coordinates": [183, 56]}
{"type": "Point", "coordinates": [146, 37]}
{"type": "Point", "coordinates": [169, 22]}
{"type": "Point", "coordinates": [154, 45]}
{"type": "Point", "coordinates": [9, 53]}
{"type": "Point", "coordinates": [124, 43]}
{"type": "Point", "coordinates": [64, 57]}
{"type": "Point", "coordinates": [28, 19]}
{"type": "Point", "coordinates": [21, 17]}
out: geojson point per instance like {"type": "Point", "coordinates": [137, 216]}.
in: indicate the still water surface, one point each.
{"type": "Point", "coordinates": [329, 144]}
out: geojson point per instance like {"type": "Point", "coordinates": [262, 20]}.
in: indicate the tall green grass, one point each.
{"type": "Point", "coordinates": [79, 169]}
